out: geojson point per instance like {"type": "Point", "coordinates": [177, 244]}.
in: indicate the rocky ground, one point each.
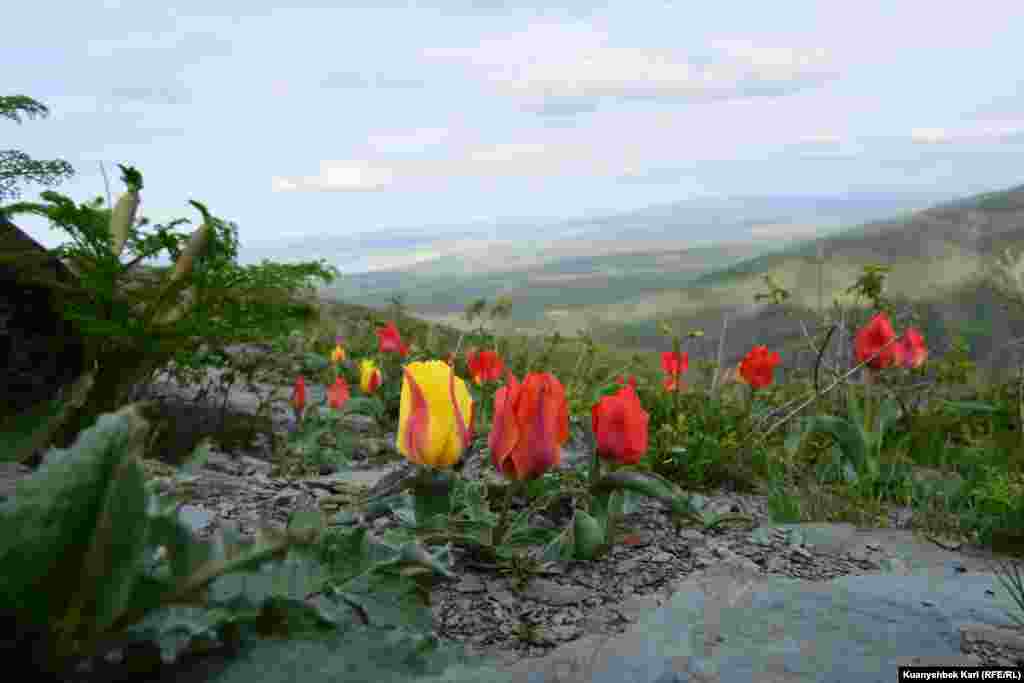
{"type": "Point", "coordinates": [489, 613]}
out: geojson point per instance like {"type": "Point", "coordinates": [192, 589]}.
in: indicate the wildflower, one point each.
{"type": "Point", "coordinates": [620, 425]}
{"type": "Point", "coordinates": [531, 422]}
{"type": "Point", "coordinates": [435, 415]}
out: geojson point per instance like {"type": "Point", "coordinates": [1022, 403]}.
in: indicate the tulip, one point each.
{"type": "Point", "coordinates": [369, 376]}
{"type": "Point", "coordinates": [338, 354]}
{"type": "Point", "coordinates": [877, 335]}
{"type": "Point", "coordinates": [757, 366]}
{"type": "Point", "coordinates": [433, 429]}
{"type": "Point", "coordinates": [674, 364]}
{"type": "Point", "coordinates": [391, 341]}
{"type": "Point", "coordinates": [299, 397]}
{"type": "Point", "coordinates": [531, 422]}
{"type": "Point", "coordinates": [913, 349]}
{"type": "Point", "coordinates": [485, 366]}
{"type": "Point", "coordinates": [620, 426]}
{"type": "Point", "coordinates": [338, 393]}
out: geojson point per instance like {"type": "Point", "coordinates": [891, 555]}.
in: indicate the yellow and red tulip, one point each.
{"type": "Point", "coordinates": [620, 426]}
{"type": "Point", "coordinates": [435, 415]}
{"type": "Point", "coordinates": [485, 366]}
{"type": "Point", "coordinates": [338, 354]}
{"type": "Point", "coordinates": [674, 364]}
{"type": "Point", "coordinates": [531, 422]}
{"type": "Point", "coordinates": [369, 376]}
{"type": "Point", "coordinates": [757, 366]}
{"type": "Point", "coordinates": [338, 394]}
{"type": "Point", "coordinates": [390, 341]}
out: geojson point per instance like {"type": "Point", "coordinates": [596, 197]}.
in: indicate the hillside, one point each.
{"type": "Point", "coordinates": [603, 260]}
{"type": "Point", "coordinates": [935, 255]}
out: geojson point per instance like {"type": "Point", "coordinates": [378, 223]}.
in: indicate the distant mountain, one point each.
{"type": "Point", "coordinates": [650, 269]}
{"type": "Point", "coordinates": [522, 243]}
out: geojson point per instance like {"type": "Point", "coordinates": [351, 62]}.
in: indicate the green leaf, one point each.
{"type": "Point", "coordinates": [851, 437]}
{"type": "Point", "coordinates": [562, 547]}
{"type": "Point", "coordinates": [589, 536]}
{"type": "Point", "coordinates": [116, 556]}
{"type": "Point", "coordinates": [646, 484]}
{"type": "Point", "coordinates": [432, 497]}
{"type": "Point", "coordinates": [49, 523]}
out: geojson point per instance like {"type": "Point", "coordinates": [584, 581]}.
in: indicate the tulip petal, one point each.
{"type": "Point", "coordinates": [505, 431]}
{"type": "Point", "coordinates": [457, 402]}
{"type": "Point", "coordinates": [417, 427]}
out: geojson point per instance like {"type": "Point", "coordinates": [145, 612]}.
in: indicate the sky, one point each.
{"type": "Point", "coordinates": [337, 118]}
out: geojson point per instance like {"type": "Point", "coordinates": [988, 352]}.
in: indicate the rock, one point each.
{"type": "Point", "coordinates": [993, 645]}
{"type": "Point", "coordinates": [42, 352]}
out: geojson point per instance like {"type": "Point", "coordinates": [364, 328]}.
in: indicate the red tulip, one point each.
{"type": "Point", "coordinates": [299, 395]}
{"type": "Point", "coordinates": [874, 336]}
{"type": "Point", "coordinates": [485, 366]}
{"type": "Point", "coordinates": [531, 422]}
{"type": "Point", "coordinates": [391, 341]}
{"type": "Point", "coordinates": [674, 364]}
{"type": "Point", "coordinates": [620, 425]}
{"type": "Point", "coordinates": [338, 393]}
{"type": "Point", "coordinates": [913, 348]}
{"type": "Point", "coordinates": [757, 366]}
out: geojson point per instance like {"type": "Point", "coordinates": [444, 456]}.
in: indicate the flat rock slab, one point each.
{"type": "Point", "coordinates": [914, 550]}
{"type": "Point", "coordinates": [733, 625]}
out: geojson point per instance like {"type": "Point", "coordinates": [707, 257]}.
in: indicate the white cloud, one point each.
{"type": "Point", "coordinates": [821, 139]}
{"type": "Point", "coordinates": [413, 140]}
{"type": "Point", "coordinates": [522, 159]}
{"type": "Point", "coordinates": [338, 176]}
{"type": "Point", "coordinates": [929, 136]}
{"type": "Point", "coordinates": [550, 62]}
{"type": "Point", "coordinates": [986, 133]}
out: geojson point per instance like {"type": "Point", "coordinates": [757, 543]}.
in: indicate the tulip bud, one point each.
{"type": "Point", "coordinates": [531, 422]}
{"type": "Point", "coordinates": [435, 415]}
{"type": "Point", "coordinates": [369, 376]}
{"type": "Point", "coordinates": [122, 218]}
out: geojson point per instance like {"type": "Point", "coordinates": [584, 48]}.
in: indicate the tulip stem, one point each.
{"type": "Point", "coordinates": [499, 531]}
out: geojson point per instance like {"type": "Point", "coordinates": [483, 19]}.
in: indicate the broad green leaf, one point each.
{"type": "Point", "coordinates": [50, 521]}
{"type": "Point", "coordinates": [117, 554]}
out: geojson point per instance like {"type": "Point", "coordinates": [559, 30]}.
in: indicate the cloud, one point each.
{"type": "Point", "coordinates": [407, 141]}
{"type": "Point", "coordinates": [356, 80]}
{"type": "Point", "coordinates": [191, 44]}
{"type": "Point", "coordinates": [338, 176]}
{"type": "Point", "coordinates": [1005, 131]}
{"type": "Point", "coordinates": [825, 147]}
{"type": "Point", "coordinates": [151, 95]}
{"type": "Point", "coordinates": [516, 159]}
{"type": "Point", "coordinates": [549, 63]}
